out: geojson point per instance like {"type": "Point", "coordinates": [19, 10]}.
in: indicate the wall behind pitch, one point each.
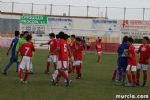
{"type": "Point", "coordinates": [8, 25]}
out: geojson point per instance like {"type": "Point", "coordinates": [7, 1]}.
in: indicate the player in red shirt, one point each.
{"type": "Point", "coordinates": [131, 68]}
{"type": "Point", "coordinates": [72, 47]}
{"type": "Point", "coordinates": [98, 47]}
{"type": "Point", "coordinates": [26, 52]}
{"type": "Point", "coordinates": [52, 56]}
{"type": "Point", "coordinates": [144, 51]}
{"type": "Point", "coordinates": [62, 62]}
{"type": "Point", "coordinates": [78, 57]}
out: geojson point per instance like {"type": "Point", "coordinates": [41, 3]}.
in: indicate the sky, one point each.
{"type": "Point", "coordinates": [112, 3]}
{"type": "Point", "coordinates": [98, 3]}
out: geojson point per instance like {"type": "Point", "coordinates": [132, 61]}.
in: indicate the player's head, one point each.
{"type": "Point", "coordinates": [66, 37]}
{"type": "Point", "coordinates": [21, 35]}
{"type": "Point", "coordinates": [73, 37]}
{"type": "Point", "coordinates": [78, 40]}
{"type": "Point", "coordinates": [25, 34]}
{"type": "Point", "coordinates": [145, 40]}
{"type": "Point", "coordinates": [130, 40]}
{"type": "Point", "coordinates": [61, 35]}
{"type": "Point", "coordinates": [57, 36]}
{"type": "Point", "coordinates": [52, 35]}
{"type": "Point", "coordinates": [17, 33]}
{"type": "Point", "coordinates": [28, 38]}
{"type": "Point", "coordinates": [99, 40]}
{"type": "Point", "coordinates": [125, 39]}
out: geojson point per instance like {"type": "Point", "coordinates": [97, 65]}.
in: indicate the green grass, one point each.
{"type": "Point", "coordinates": [95, 85]}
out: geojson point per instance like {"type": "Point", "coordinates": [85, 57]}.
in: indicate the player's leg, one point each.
{"type": "Point", "coordinates": [54, 61]}
{"type": "Point", "coordinates": [17, 66]}
{"type": "Point", "coordinates": [133, 71]}
{"type": "Point", "coordinates": [124, 74]}
{"type": "Point", "coordinates": [63, 72]}
{"type": "Point", "coordinates": [73, 67]}
{"type": "Point", "coordinates": [144, 68]}
{"type": "Point", "coordinates": [114, 74]}
{"type": "Point", "coordinates": [11, 61]}
{"type": "Point", "coordinates": [78, 69]}
{"type": "Point", "coordinates": [138, 74]}
{"type": "Point", "coordinates": [99, 57]}
{"type": "Point", "coordinates": [48, 65]}
{"type": "Point", "coordinates": [27, 65]}
{"type": "Point", "coordinates": [56, 75]}
{"type": "Point", "coordinates": [30, 67]}
{"type": "Point", "coordinates": [129, 75]}
{"type": "Point", "coordinates": [117, 73]}
{"type": "Point", "coordinates": [21, 68]}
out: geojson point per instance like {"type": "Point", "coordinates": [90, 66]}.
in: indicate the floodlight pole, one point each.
{"type": "Point", "coordinates": [51, 9]}
{"type": "Point", "coordinates": [143, 13]}
{"type": "Point", "coordinates": [12, 6]}
{"type": "Point", "coordinates": [87, 11]}
{"type": "Point", "coordinates": [69, 10]}
{"type": "Point", "coordinates": [106, 15]}
{"type": "Point", "coordinates": [32, 9]}
{"type": "Point", "coordinates": [124, 17]}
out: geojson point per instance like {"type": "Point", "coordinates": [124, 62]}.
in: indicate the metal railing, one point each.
{"type": "Point", "coordinates": [119, 13]}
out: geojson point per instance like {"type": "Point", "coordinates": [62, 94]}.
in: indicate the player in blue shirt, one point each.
{"type": "Point", "coordinates": [13, 53]}
{"type": "Point", "coordinates": [122, 59]}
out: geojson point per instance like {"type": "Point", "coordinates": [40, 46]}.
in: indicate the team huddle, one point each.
{"type": "Point", "coordinates": [127, 63]}
{"type": "Point", "coordinates": [66, 56]}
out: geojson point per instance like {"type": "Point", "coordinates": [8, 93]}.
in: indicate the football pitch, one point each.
{"type": "Point", "coordinates": [96, 83]}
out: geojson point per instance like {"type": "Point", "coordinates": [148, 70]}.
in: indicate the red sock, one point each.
{"type": "Point", "coordinates": [21, 74]}
{"type": "Point", "coordinates": [48, 65]}
{"type": "Point", "coordinates": [129, 78]}
{"type": "Point", "coordinates": [73, 69]}
{"type": "Point", "coordinates": [55, 66]}
{"type": "Point", "coordinates": [26, 75]}
{"type": "Point", "coordinates": [133, 79]}
{"type": "Point", "coordinates": [137, 76]}
{"type": "Point", "coordinates": [114, 75]}
{"type": "Point", "coordinates": [58, 77]}
{"type": "Point", "coordinates": [63, 74]}
{"type": "Point", "coordinates": [145, 78]}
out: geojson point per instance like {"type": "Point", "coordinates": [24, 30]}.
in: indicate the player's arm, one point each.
{"type": "Point", "coordinates": [46, 43]}
{"type": "Point", "coordinates": [10, 47]}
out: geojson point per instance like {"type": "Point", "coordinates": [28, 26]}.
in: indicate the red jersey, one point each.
{"type": "Point", "coordinates": [26, 49]}
{"type": "Point", "coordinates": [98, 46]}
{"type": "Point", "coordinates": [78, 52]}
{"type": "Point", "coordinates": [132, 59]}
{"type": "Point", "coordinates": [63, 52]}
{"type": "Point", "coordinates": [144, 54]}
{"type": "Point", "coordinates": [72, 45]}
{"type": "Point", "coordinates": [52, 45]}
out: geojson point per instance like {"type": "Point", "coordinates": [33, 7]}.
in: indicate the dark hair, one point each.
{"type": "Point", "coordinates": [147, 38]}
{"type": "Point", "coordinates": [125, 39]}
{"type": "Point", "coordinates": [29, 37]}
{"type": "Point", "coordinates": [66, 36]}
{"type": "Point", "coordinates": [78, 39]}
{"type": "Point", "coordinates": [52, 35]}
{"type": "Point", "coordinates": [73, 36]}
{"type": "Point", "coordinates": [21, 35]}
{"type": "Point", "coordinates": [130, 39]}
{"type": "Point", "coordinates": [61, 35]}
{"type": "Point", "coordinates": [57, 36]}
{"type": "Point", "coordinates": [17, 33]}
{"type": "Point", "coordinates": [25, 32]}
